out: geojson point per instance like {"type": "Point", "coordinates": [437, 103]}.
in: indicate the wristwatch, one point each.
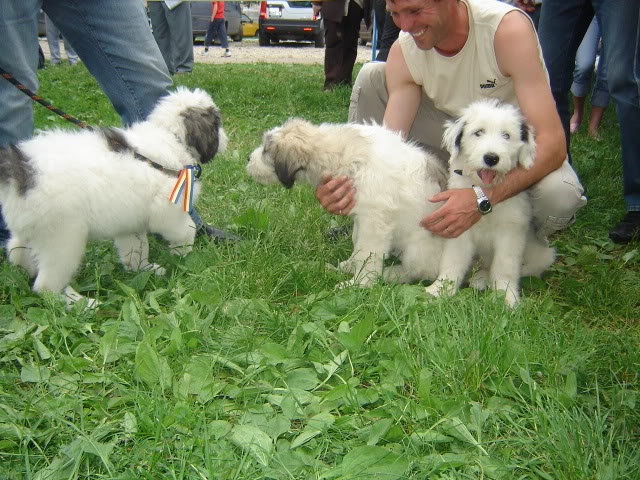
{"type": "Point", "coordinates": [484, 205]}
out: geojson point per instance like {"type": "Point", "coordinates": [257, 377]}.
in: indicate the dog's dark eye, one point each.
{"type": "Point", "coordinates": [506, 136]}
{"type": "Point", "coordinates": [479, 133]}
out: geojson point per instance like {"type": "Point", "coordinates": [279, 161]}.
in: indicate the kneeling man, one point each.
{"type": "Point", "coordinates": [449, 54]}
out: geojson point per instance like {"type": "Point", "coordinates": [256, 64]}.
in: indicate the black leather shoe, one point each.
{"type": "Point", "coordinates": [627, 230]}
{"type": "Point", "coordinates": [217, 235]}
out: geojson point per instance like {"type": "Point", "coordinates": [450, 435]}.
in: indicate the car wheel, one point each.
{"type": "Point", "coordinates": [263, 39]}
{"type": "Point", "coordinates": [237, 38]}
{"type": "Point", "coordinates": [319, 40]}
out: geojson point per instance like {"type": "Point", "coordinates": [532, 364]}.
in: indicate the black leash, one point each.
{"type": "Point", "coordinates": [79, 123]}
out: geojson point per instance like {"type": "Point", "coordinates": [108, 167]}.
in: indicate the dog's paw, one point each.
{"type": "Point", "coordinates": [511, 298]}
{"type": "Point", "coordinates": [441, 288]}
{"type": "Point", "coordinates": [433, 289]}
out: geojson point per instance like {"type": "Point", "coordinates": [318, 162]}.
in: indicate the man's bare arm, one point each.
{"type": "Point", "coordinates": [517, 54]}
{"type": "Point", "coordinates": [404, 93]}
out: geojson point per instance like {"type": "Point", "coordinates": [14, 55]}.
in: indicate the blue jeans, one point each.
{"type": "Point", "coordinates": [113, 39]}
{"type": "Point", "coordinates": [216, 29]}
{"type": "Point", "coordinates": [563, 24]}
{"type": "Point", "coordinates": [585, 62]}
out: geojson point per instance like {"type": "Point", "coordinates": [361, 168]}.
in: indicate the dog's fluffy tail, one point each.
{"type": "Point", "coordinates": [15, 168]}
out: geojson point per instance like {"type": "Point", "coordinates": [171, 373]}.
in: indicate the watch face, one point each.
{"type": "Point", "coordinates": [484, 206]}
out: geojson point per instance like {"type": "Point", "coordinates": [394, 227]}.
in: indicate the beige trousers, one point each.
{"type": "Point", "coordinates": [556, 198]}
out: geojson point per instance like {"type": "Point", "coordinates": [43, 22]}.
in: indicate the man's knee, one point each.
{"type": "Point", "coordinates": [369, 94]}
{"type": "Point", "coordinates": [556, 199]}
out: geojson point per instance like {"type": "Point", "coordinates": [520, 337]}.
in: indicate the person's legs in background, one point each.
{"type": "Point", "coordinates": [158, 12]}
{"type": "Point", "coordinates": [222, 36]}
{"type": "Point", "coordinates": [350, 34]}
{"type": "Point", "coordinates": [599, 97]}
{"type": "Point", "coordinates": [585, 61]}
{"type": "Point", "coordinates": [562, 26]}
{"type": "Point", "coordinates": [53, 40]}
{"type": "Point", "coordinates": [619, 22]}
{"type": "Point", "coordinates": [181, 30]}
{"type": "Point", "coordinates": [208, 38]}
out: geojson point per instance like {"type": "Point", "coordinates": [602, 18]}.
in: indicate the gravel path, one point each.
{"type": "Point", "coordinates": [248, 51]}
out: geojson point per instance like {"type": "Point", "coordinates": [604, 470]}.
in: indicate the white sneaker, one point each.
{"type": "Point", "coordinates": [226, 53]}
{"type": "Point", "coordinates": [203, 52]}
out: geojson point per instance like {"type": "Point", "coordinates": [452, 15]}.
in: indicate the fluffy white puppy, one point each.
{"type": "Point", "coordinates": [392, 179]}
{"type": "Point", "coordinates": [62, 188]}
{"type": "Point", "coordinates": [487, 141]}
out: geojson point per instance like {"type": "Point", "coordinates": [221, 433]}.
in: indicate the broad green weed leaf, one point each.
{"type": "Point", "coordinates": [459, 430]}
{"type": "Point", "coordinates": [130, 423]}
{"type": "Point", "coordinates": [275, 353]}
{"type": "Point", "coordinates": [277, 426]}
{"type": "Point", "coordinates": [206, 297]}
{"type": "Point", "coordinates": [7, 315]}
{"type": "Point", "coordinates": [448, 460]}
{"type": "Point", "coordinates": [424, 384]}
{"type": "Point", "coordinates": [369, 462]}
{"type": "Point", "coordinates": [150, 367]}
{"type": "Point", "coordinates": [252, 218]}
{"type": "Point", "coordinates": [355, 339]}
{"type": "Point", "coordinates": [378, 430]}
{"type": "Point", "coordinates": [34, 374]}
{"type": "Point", "coordinates": [254, 440]}
{"type": "Point", "coordinates": [43, 351]}
{"type": "Point", "coordinates": [302, 378]}
{"type": "Point", "coordinates": [219, 428]}
{"type": "Point", "coordinates": [571, 385]}
{"type": "Point", "coordinates": [430, 436]}
{"type": "Point", "coordinates": [321, 421]}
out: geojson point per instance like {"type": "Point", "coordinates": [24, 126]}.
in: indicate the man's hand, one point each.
{"type": "Point", "coordinates": [336, 194]}
{"type": "Point", "coordinates": [316, 10]}
{"type": "Point", "coordinates": [456, 216]}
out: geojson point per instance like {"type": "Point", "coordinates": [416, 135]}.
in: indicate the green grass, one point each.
{"type": "Point", "coordinates": [244, 362]}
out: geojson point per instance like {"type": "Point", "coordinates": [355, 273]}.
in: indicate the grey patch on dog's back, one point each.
{"type": "Point", "coordinates": [202, 126]}
{"type": "Point", "coordinates": [116, 141]}
{"type": "Point", "coordinates": [16, 166]}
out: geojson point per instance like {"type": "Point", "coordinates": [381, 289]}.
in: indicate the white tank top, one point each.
{"type": "Point", "coordinates": [454, 82]}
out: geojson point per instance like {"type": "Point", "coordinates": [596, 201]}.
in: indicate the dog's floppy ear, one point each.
{"type": "Point", "coordinates": [527, 152]}
{"type": "Point", "coordinates": [452, 138]}
{"type": "Point", "coordinates": [291, 149]}
{"type": "Point", "coordinates": [202, 127]}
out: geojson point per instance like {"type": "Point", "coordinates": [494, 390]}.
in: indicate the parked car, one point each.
{"type": "Point", "coordinates": [201, 16]}
{"type": "Point", "coordinates": [249, 27]}
{"type": "Point", "coordinates": [289, 20]}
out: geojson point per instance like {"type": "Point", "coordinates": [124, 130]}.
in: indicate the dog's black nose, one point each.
{"type": "Point", "coordinates": [491, 159]}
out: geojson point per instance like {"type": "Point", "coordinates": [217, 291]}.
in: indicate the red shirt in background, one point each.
{"type": "Point", "coordinates": [220, 11]}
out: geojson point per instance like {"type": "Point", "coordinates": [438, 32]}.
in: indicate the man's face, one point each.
{"type": "Point", "coordinates": [423, 19]}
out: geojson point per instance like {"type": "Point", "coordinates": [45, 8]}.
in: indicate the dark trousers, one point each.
{"type": "Point", "coordinates": [341, 47]}
{"type": "Point", "coordinates": [216, 29]}
{"type": "Point", "coordinates": [563, 24]}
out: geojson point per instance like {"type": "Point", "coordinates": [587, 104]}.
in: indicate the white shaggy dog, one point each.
{"type": "Point", "coordinates": [62, 188]}
{"type": "Point", "coordinates": [392, 179]}
{"type": "Point", "coordinates": [486, 142]}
